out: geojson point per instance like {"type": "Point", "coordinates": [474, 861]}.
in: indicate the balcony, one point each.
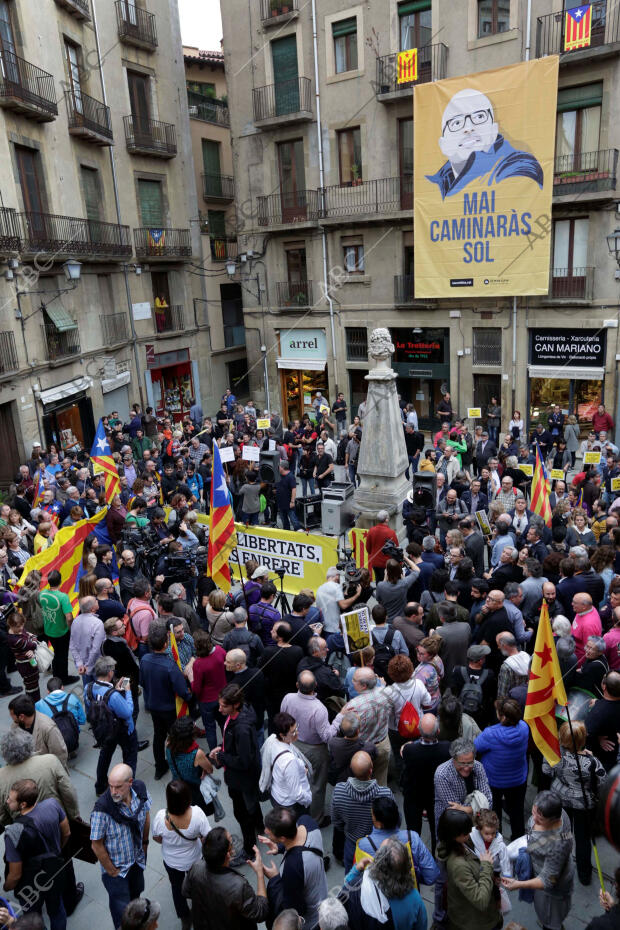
{"type": "Point", "coordinates": [26, 89]}
{"type": "Point", "coordinates": [294, 208]}
{"type": "Point", "coordinates": [60, 343]}
{"type": "Point", "coordinates": [150, 137]}
{"type": "Point", "coordinates": [218, 187]}
{"type": "Point", "coordinates": [136, 26]}
{"type": "Point", "coordinates": [10, 232]}
{"type": "Point", "coordinates": [283, 103]}
{"type": "Point", "coordinates": [88, 118]}
{"type": "Point", "coordinates": [278, 12]}
{"type": "Point", "coordinates": [114, 328]}
{"type": "Point", "coordinates": [605, 35]}
{"type": "Point", "coordinates": [223, 248]}
{"type": "Point", "coordinates": [588, 172]}
{"type": "Point", "coordinates": [162, 243]}
{"type": "Point", "coordinates": [404, 291]}
{"type": "Point", "coordinates": [72, 235]}
{"type": "Point", "coordinates": [296, 295]}
{"type": "Point", "coordinates": [77, 8]}
{"type": "Point", "coordinates": [169, 319]}
{"type": "Point", "coordinates": [208, 109]}
{"type": "Point", "coordinates": [8, 353]}
{"type": "Point", "coordinates": [369, 199]}
{"type": "Point", "coordinates": [431, 67]}
{"type": "Point", "coordinates": [571, 284]}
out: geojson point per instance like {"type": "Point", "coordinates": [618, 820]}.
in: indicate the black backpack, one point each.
{"type": "Point", "coordinates": [103, 721]}
{"type": "Point", "coordinates": [383, 653]}
{"type": "Point", "coordinates": [472, 697]}
{"type": "Point", "coordinates": [66, 723]}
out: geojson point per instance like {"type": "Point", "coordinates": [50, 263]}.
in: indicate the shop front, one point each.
{"type": "Point", "coordinates": [68, 415]}
{"type": "Point", "coordinates": [566, 368]}
{"type": "Point", "coordinates": [302, 364]}
{"type": "Point", "coordinates": [422, 362]}
{"type": "Point", "coordinates": [171, 381]}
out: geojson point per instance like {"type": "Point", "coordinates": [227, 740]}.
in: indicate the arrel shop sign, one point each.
{"type": "Point", "coordinates": [582, 348]}
{"type": "Point", "coordinates": [303, 344]}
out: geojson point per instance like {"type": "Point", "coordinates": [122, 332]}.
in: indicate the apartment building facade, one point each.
{"type": "Point", "coordinates": [95, 167]}
{"type": "Point", "coordinates": [209, 124]}
{"type": "Point", "coordinates": [349, 232]}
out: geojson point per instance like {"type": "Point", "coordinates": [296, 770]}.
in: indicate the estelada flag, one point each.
{"type": "Point", "coordinates": [181, 703]}
{"type": "Point", "coordinates": [545, 689]}
{"type": "Point", "coordinates": [358, 543]}
{"type": "Point", "coordinates": [540, 503]}
{"type": "Point", "coordinates": [222, 535]}
{"type": "Point", "coordinates": [101, 456]}
{"type": "Point", "coordinates": [407, 66]}
{"type": "Point", "coordinates": [578, 28]}
{"type": "Point", "coordinates": [40, 491]}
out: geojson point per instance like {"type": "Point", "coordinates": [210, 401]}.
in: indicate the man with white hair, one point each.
{"type": "Point", "coordinates": [376, 538]}
{"type": "Point", "coordinates": [332, 915]}
{"type": "Point", "coordinates": [475, 149]}
{"type": "Point", "coordinates": [331, 601]}
{"type": "Point", "coordinates": [87, 636]}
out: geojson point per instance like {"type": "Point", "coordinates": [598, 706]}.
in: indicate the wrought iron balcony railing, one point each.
{"type": "Point", "coordinates": [78, 8]}
{"type": "Point", "coordinates": [136, 26]}
{"type": "Point", "coordinates": [286, 100]}
{"type": "Point", "coordinates": [572, 283]}
{"type": "Point", "coordinates": [114, 328]}
{"type": "Point", "coordinates": [8, 353]}
{"type": "Point", "coordinates": [208, 109]}
{"type": "Point", "coordinates": [48, 232]}
{"type": "Point", "coordinates": [218, 187]}
{"type": "Point", "coordinates": [163, 242]}
{"type": "Point", "coordinates": [551, 29]}
{"type": "Point", "coordinates": [10, 231]}
{"type": "Point", "coordinates": [284, 208]}
{"type": "Point", "coordinates": [88, 117]}
{"type": "Point", "coordinates": [273, 9]}
{"type": "Point", "coordinates": [150, 137]}
{"type": "Point", "coordinates": [26, 88]}
{"type": "Point", "coordinates": [586, 171]}
{"type": "Point", "coordinates": [432, 60]}
{"type": "Point", "coordinates": [60, 344]}
{"type": "Point", "coordinates": [294, 294]}
{"type": "Point", "coordinates": [169, 319]}
{"type": "Point", "coordinates": [356, 198]}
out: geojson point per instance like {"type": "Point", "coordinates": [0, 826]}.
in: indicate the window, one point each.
{"type": "Point", "coordinates": [201, 87]}
{"type": "Point", "coordinates": [211, 168]}
{"type": "Point", "coordinates": [285, 75]}
{"type": "Point", "coordinates": [570, 257]}
{"type": "Point", "coordinates": [578, 127]}
{"type": "Point", "coordinates": [238, 377]}
{"type": "Point", "coordinates": [488, 347]}
{"type": "Point", "coordinates": [350, 156]}
{"type": "Point", "coordinates": [217, 223]}
{"type": "Point", "coordinates": [292, 181]}
{"type": "Point", "coordinates": [415, 29]}
{"type": "Point", "coordinates": [73, 69]}
{"type": "Point", "coordinates": [232, 315]}
{"type": "Point", "coordinates": [29, 167]}
{"type": "Point", "coordinates": [150, 196]}
{"type": "Point", "coordinates": [405, 160]}
{"type": "Point", "coordinates": [296, 270]}
{"type": "Point", "coordinates": [345, 44]}
{"type": "Point", "coordinates": [357, 343]}
{"type": "Point", "coordinates": [139, 99]}
{"type": "Point", "coordinates": [91, 190]}
{"type": "Point", "coordinates": [493, 17]}
{"type": "Point", "coordinates": [353, 254]}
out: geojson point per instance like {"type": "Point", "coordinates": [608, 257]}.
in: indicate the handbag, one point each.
{"type": "Point", "coordinates": [78, 845]}
{"type": "Point", "coordinates": [44, 656]}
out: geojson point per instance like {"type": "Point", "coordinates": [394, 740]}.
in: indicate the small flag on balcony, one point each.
{"type": "Point", "coordinates": [219, 249]}
{"type": "Point", "coordinates": [156, 239]}
{"type": "Point", "coordinates": [577, 28]}
{"type": "Point", "coordinates": [407, 66]}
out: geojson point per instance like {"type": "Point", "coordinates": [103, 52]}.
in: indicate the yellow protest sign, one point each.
{"type": "Point", "coordinates": [615, 484]}
{"type": "Point", "coordinates": [527, 469]}
{"type": "Point", "coordinates": [591, 458]}
{"type": "Point", "coordinates": [557, 474]}
{"type": "Point", "coordinates": [474, 413]}
{"type": "Point", "coordinates": [356, 629]}
{"type": "Point", "coordinates": [263, 423]}
{"type": "Point", "coordinates": [483, 181]}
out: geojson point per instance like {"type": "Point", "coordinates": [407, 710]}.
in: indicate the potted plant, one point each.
{"type": "Point", "coordinates": [355, 175]}
{"type": "Point", "coordinates": [300, 299]}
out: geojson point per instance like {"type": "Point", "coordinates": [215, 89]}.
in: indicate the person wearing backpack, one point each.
{"type": "Point", "coordinates": [409, 700]}
{"type": "Point", "coordinates": [66, 711]}
{"type": "Point", "coordinates": [475, 686]}
{"type": "Point", "coordinates": [387, 642]}
{"type": "Point", "coordinates": [109, 711]}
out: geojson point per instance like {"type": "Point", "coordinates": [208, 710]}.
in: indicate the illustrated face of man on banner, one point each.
{"type": "Point", "coordinates": [474, 147]}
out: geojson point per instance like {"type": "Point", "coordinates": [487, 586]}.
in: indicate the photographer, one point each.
{"type": "Point", "coordinates": [128, 574]}
{"type": "Point", "coordinates": [393, 593]}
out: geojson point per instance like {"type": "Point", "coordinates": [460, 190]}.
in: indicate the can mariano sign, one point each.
{"type": "Point", "coordinates": [582, 348]}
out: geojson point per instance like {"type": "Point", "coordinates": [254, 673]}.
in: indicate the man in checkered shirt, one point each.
{"type": "Point", "coordinates": [372, 706]}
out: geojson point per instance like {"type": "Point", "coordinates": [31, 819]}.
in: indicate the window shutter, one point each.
{"type": "Point", "coordinates": [345, 27]}
{"type": "Point", "coordinates": [211, 157]}
{"type": "Point", "coordinates": [90, 187]}
{"type": "Point", "coordinates": [151, 203]}
{"type": "Point", "coordinates": [217, 223]}
{"type": "Point", "coordinates": [576, 98]}
{"type": "Point", "coordinates": [413, 6]}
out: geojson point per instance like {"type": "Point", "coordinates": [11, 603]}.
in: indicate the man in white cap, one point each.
{"type": "Point", "coordinates": [331, 601]}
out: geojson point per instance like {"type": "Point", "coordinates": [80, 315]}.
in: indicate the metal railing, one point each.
{"type": "Point", "coordinates": [234, 336]}
{"type": "Point", "coordinates": [218, 187]}
{"type": "Point", "coordinates": [296, 294]}
{"type": "Point", "coordinates": [286, 98]}
{"type": "Point", "coordinates": [269, 9]}
{"type": "Point", "coordinates": [403, 289]}
{"type": "Point", "coordinates": [550, 29]}
{"type": "Point", "coordinates": [208, 109]}
{"type": "Point", "coordinates": [223, 248]}
{"type": "Point", "coordinates": [432, 61]}
{"type": "Point", "coordinates": [114, 328]}
{"type": "Point", "coordinates": [294, 207]}
{"type": "Point", "coordinates": [60, 344]}
{"type": "Point", "coordinates": [162, 242]}
{"type": "Point", "coordinates": [487, 347]}
{"type": "Point", "coordinates": [8, 352]}
{"type": "Point", "coordinates": [572, 283]}
{"type": "Point", "coordinates": [150, 136]}
{"type": "Point", "coordinates": [25, 83]}
{"type": "Point", "coordinates": [10, 231]}
{"type": "Point", "coordinates": [135, 25]}
{"type": "Point", "coordinates": [48, 232]}
{"type": "Point", "coordinates": [85, 112]}
{"type": "Point", "coordinates": [357, 343]}
{"type": "Point", "coordinates": [593, 169]}
{"type": "Point", "coordinates": [383, 195]}
{"type": "Point", "coordinates": [169, 319]}
{"type": "Point", "coordinates": [80, 7]}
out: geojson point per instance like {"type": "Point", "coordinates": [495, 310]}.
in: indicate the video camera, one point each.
{"type": "Point", "coordinates": [393, 551]}
{"type": "Point", "coordinates": [182, 565]}
{"type": "Point", "coordinates": [352, 574]}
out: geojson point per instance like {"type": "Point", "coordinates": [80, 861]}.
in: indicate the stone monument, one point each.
{"type": "Point", "coordinates": [383, 459]}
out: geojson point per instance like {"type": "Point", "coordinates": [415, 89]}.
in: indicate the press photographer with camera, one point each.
{"type": "Point", "coordinates": [393, 592]}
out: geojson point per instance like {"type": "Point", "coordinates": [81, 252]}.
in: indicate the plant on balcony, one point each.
{"type": "Point", "coordinates": [300, 299]}
{"type": "Point", "coordinates": [355, 176]}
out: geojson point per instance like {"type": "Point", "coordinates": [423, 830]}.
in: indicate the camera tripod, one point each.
{"type": "Point", "coordinates": [281, 598]}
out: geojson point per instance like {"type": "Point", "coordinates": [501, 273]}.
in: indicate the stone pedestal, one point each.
{"type": "Point", "coordinates": [382, 460]}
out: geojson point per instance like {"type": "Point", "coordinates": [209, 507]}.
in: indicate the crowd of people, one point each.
{"type": "Point", "coordinates": [411, 755]}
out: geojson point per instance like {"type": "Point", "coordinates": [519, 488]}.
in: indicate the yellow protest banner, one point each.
{"type": "Point", "coordinates": [527, 469]}
{"type": "Point", "coordinates": [591, 458]}
{"type": "Point", "coordinates": [615, 484]}
{"type": "Point", "coordinates": [356, 629]}
{"type": "Point", "coordinates": [263, 423]}
{"type": "Point", "coordinates": [557, 474]}
{"type": "Point", "coordinates": [474, 413]}
{"type": "Point", "coordinates": [483, 181]}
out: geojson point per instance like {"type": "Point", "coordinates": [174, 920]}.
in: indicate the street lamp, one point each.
{"type": "Point", "coordinates": [72, 270]}
{"type": "Point", "coordinates": [231, 268]}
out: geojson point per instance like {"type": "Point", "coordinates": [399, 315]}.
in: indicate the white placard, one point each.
{"type": "Point", "coordinates": [227, 454]}
{"type": "Point", "coordinates": [272, 445]}
{"type": "Point", "coordinates": [251, 453]}
{"type": "Point", "coordinates": [141, 311]}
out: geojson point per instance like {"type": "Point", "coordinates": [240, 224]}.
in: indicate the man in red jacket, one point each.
{"type": "Point", "coordinates": [602, 421]}
{"type": "Point", "coordinates": [376, 538]}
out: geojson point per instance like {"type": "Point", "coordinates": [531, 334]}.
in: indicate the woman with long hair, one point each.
{"type": "Point", "coordinates": [187, 761]}
{"type": "Point", "coordinates": [473, 897]}
{"type": "Point", "coordinates": [429, 669]}
{"type": "Point", "coordinates": [86, 585]}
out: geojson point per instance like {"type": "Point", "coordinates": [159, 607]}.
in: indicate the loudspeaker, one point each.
{"type": "Point", "coordinates": [269, 466]}
{"type": "Point", "coordinates": [425, 489]}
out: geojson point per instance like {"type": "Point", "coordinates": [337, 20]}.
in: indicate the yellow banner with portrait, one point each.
{"type": "Point", "coordinates": [483, 181]}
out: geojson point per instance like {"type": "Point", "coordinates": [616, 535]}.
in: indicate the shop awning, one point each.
{"type": "Point", "coordinates": [110, 384]}
{"type": "Point", "coordinates": [68, 389]}
{"type": "Point", "coordinates": [61, 318]}
{"type": "Point", "coordinates": [302, 364]}
{"type": "Point", "coordinates": [567, 372]}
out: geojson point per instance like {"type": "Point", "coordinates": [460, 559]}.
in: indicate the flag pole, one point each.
{"type": "Point", "coordinates": [585, 798]}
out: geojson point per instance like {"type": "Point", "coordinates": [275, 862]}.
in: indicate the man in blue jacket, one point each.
{"type": "Point", "coordinates": [385, 823]}
{"type": "Point", "coordinates": [120, 703]}
{"type": "Point", "coordinates": [162, 682]}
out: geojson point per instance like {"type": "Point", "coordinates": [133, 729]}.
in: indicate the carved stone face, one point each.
{"type": "Point", "coordinates": [380, 345]}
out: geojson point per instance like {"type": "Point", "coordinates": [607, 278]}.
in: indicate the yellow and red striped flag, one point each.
{"type": "Point", "coordinates": [577, 28]}
{"type": "Point", "coordinates": [102, 460]}
{"type": "Point", "coordinates": [545, 689]}
{"type": "Point", "coordinates": [222, 535]}
{"type": "Point", "coordinates": [407, 66]}
{"type": "Point", "coordinates": [540, 490]}
{"type": "Point", "coordinates": [358, 544]}
{"type": "Point", "coordinates": [181, 703]}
